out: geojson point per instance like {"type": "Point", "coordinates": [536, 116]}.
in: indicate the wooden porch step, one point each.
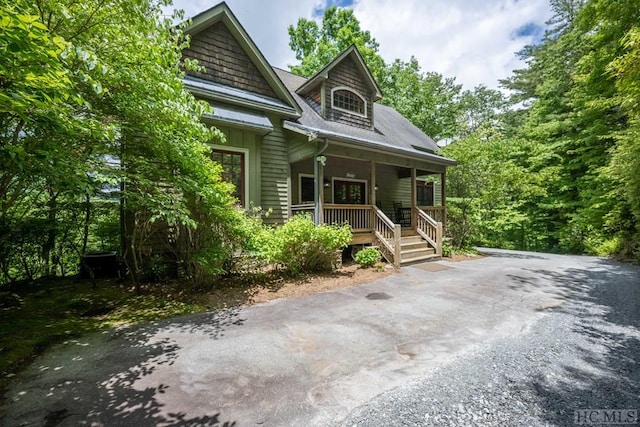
{"type": "Point", "coordinates": [414, 249]}
{"type": "Point", "coordinates": [418, 259]}
{"type": "Point", "coordinates": [411, 240]}
{"type": "Point", "coordinates": [425, 250]}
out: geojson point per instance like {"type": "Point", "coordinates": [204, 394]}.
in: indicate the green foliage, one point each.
{"type": "Point", "coordinates": [580, 88]}
{"type": "Point", "coordinates": [316, 46]}
{"type": "Point", "coordinates": [299, 246]}
{"type": "Point", "coordinates": [428, 99]}
{"type": "Point", "coordinates": [447, 248]}
{"type": "Point", "coordinates": [491, 191]}
{"type": "Point", "coordinates": [367, 257]}
{"type": "Point", "coordinates": [92, 98]}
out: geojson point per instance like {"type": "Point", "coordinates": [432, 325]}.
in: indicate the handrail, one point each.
{"type": "Point", "coordinates": [429, 229]}
{"type": "Point", "coordinates": [438, 213]}
{"type": "Point", "coordinates": [388, 235]}
{"type": "Point", "coordinates": [383, 216]}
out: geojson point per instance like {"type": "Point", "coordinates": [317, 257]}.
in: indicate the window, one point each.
{"type": "Point", "coordinates": [307, 193]}
{"type": "Point", "coordinates": [347, 100]}
{"type": "Point", "coordinates": [232, 163]}
{"type": "Point", "coordinates": [424, 193]}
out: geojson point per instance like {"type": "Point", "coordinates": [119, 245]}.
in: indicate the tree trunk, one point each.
{"type": "Point", "coordinates": [50, 243]}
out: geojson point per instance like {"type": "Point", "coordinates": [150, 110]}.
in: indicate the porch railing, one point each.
{"type": "Point", "coordinates": [358, 216]}
{"type": "Point", "coordinates": [387, 235]}
{"type": "Point", "coordinates": [435, 212]}
{"type": "Point", "coordinates": [429, 229]}
{"type": "Point", "coordinates": [307, 208]}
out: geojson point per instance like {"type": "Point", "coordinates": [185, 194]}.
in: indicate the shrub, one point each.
{"type": "Point", "coordinates": [367, 257]}
{"type": "Point", "coordinates": [300, 246]}
{"type": "Point", "coordinates": [447, 247]}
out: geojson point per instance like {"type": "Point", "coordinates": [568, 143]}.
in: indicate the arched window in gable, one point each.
{"type": "Point", "coordinates": [345, 99]}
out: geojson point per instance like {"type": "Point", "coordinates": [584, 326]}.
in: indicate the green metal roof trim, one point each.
{"type": "Point", "coordinates": [218, 91]}
{"type": "Point", "coordinates": [246, 119]}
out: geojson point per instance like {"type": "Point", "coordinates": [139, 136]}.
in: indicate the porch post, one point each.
{"type": "Point", "coordinates": [413, 198]}
{"type": "Point", "coordinates": [318, 189]}
{"type": "Point", "coordinates": [443, 196]}
{"type": "Point", "coordinates": [320, 192]}
{"type": "Point", "coordinates": [372, 183]}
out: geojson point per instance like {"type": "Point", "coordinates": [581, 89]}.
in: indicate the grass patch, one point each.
{"type": "Point", "coordinates": [57, 310]}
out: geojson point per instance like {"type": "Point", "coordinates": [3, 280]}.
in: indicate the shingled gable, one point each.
{"type": "Point", "coordinates": [344, 91]}
{"type": "Point", "coordinates": [323, 74]}
{"type": "Point", "coordinates": [235, 72]}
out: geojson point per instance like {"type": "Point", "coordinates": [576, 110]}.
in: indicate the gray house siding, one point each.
{"type": "Point", "coordinates": [275, 173]}
{"type": "Point", "coordinates": [345, 74]}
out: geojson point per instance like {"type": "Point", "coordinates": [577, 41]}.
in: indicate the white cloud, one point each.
{"type": "Point", "coordinates": [472, 40]}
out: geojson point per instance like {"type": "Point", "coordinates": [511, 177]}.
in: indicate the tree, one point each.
{"type": "Point", "coordinates": [577, 115]}
{"type": "Point", "coordinates": [428, 100]}
{"type": "Point", "coordinates": [482, 107]}
{"type": "Point", "coordinates": [316, 46]}
{"type": "Point", "coordinates": [84, 84]}
{"type": "Point", "coordinates": [491, 191]}
{"type": "Point", "coordinates": [617, 53]}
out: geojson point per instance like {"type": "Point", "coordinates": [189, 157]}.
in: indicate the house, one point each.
{"type": "Point", "coordinates": [323, 145]}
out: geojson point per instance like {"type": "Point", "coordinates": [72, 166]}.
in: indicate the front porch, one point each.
{"type": "Point", "coordinates": [393, 198]}
{"type": "Point", "coordinates": [420, 240]}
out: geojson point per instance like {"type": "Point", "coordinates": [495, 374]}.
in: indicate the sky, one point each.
{"type": "Point", "coordinates": [474, 41]}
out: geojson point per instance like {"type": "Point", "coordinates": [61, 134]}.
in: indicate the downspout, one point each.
{"type": "Point", "coordinates": [318, 158]}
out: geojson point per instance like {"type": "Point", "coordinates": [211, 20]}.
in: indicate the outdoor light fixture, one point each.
{"type": "Point", "coordinates": [326, 183]}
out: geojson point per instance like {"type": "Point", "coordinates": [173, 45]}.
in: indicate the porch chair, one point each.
{"type": "Point", "coordinates": [402, 217]}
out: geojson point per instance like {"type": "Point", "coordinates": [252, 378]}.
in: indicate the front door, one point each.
{"type": "Point", "coordinates": [349, 192]}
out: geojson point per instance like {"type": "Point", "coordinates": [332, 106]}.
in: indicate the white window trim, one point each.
{"type": "Point", "coordinates": [366, 187]}
{"type": "Point", "coordinates": [244, 151]}
{"type": "Point", "coordinates": [344, 109]}
{"type": "Point", "coordinates": [300, 176]}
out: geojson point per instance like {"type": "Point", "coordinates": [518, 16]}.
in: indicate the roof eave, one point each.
{"type": "Point", "coordinates": [208, 95]}
{"type": "Point", "coordinates": [346, 139]}
{"type": "Point", "coordinates": [262, 130]}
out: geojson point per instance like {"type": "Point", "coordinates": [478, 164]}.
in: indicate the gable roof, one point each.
{"type": "Point", "coordinates": [323, 74]}
{"type": "Point", "coordinates": [222, 12]}
{"type": "Point", "coordinates": [392, 132]}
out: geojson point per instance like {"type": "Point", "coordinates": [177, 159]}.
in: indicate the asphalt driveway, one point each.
{"type": "Point", "coordinates": [315, 360]}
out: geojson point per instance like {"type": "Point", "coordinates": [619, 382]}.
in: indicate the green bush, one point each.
{"type": "Point", "coordinates": [300, 246]}
{"type": "Point", "coordinates": [447, 247]}
{"type": "Point", "coordinates": [367, 257]}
